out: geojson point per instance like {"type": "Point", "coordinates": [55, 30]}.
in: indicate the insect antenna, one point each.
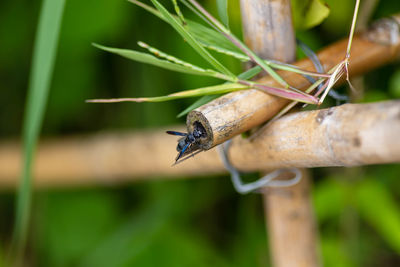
{"type": "Point", "coordinates": [176, 133]}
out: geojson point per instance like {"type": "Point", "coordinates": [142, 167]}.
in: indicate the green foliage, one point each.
{"type": "Point", "coordinates": [379, 208]}
{"type": "Point", "coordinates": [222, 6]}
{"type": "Point", "coordinates": [74, 222]}
{"type": "Point", "coordinates": [339, 19]}
{"type": "Point", "coordinates": [39, 83]}
{"type": "Point", "coordinates": [250, 73]}
{"type": "Point", "coordinates": [178, 23]}
{"type": "Point", "coordinates": [183, 67]}
{"type": "Point", "coordinates": [394, 85]}
{"type": "Point", "coordinates": [190, 39]}
{"type": "Point", "coordinates": [210, 90]}
{"type": "Point", "coordinates": [199, 102]}
{"type": "Point", "coordinates": [308, 14]}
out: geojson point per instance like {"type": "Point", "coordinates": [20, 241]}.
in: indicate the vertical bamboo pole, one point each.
{"type": "Point", "coordinates": [268, 30]}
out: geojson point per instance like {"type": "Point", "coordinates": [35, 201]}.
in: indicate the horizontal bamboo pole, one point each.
{"type": "Point", "coordinates": [240, 111]}
{"type": "Point", "coordinates": [348, 135]}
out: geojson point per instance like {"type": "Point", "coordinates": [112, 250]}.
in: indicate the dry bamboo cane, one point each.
{"type": "Point", "coordinates": [268, 31]}
{"type": "Point", "coordinates": [348, 135]}
{"type": "Point", "coordinates": [238, 112]}
{"type": "Point", "coordinates": [292, 224]}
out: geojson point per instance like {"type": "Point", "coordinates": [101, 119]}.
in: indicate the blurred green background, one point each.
{"type": "Point", "coordinates": [184, 222]}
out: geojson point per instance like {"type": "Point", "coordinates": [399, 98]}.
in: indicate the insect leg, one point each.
{"type": "Point", "coordinates": [182, 151]}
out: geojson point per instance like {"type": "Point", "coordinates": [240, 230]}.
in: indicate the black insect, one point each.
{"type": "Point", "coordinates": [189, 142]}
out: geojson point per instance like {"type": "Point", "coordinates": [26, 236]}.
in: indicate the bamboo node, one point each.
{"type": "Point", "coordinates": [385, 31]}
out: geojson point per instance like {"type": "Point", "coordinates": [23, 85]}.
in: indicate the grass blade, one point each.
{"type": "Point", "coordinates": [152, 60]}
{"type": "Point", "coordinates": [198, 103]}
{"type": "Point", "coordinates": [224, 31]}
{"type": "Point", "coordinates": [215, 41]}
{"type": "Point", "coordinates": [44, 55]}
{"type": "Point", "coordinates": [203, 34]}
{"type": "Point", "coordinates": [248, 74]}
{"type": "Point", "coordinates": [191, 40]}
{"type": "Point", "coordinates": [222, 6]}
{"type": "Point", "coordinates": [210, 90]}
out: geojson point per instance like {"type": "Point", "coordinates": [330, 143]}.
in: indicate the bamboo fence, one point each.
{"type": "Point", "coordinates": [347, 135]}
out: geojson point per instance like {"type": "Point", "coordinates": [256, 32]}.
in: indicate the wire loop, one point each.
{"type": "Point", "coordinates": [267, 180]}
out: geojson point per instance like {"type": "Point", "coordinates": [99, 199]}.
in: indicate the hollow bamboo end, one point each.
{"type": "Point", "coordinates": [196, 119]}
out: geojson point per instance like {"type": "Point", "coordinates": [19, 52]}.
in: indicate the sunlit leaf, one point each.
{"type": "Point", "coordinates": [215, 41]}
{"type": "Point", "coordinates": [149, 59]}
{"type": "Point", "coordinates": [250, 73]}
{"type": "Point", "coordinates": [309, 13]}
{"type": "Point", "coordinates": [205, 35]}
{"type": "Point", "coordinates": [199, 102]}
{"type": "Point", "coordinates": [190, 39]}
{"type": "Point", "coordinates": [210, 90]}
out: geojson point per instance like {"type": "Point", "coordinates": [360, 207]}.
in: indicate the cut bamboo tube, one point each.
{"type": "Point", "coordinates": [238, 112]}
{"type": "Point", "coordinates": [348, 135]}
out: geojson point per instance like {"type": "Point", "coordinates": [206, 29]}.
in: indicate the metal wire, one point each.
{"type": "Point", "coordinates": [267, 180]}
{"type": "Point", "coordinates": [318, 66]}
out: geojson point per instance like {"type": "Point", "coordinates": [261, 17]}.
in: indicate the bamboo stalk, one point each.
{"type": "Point", "coordinates": [238, 112]}
{"type": "Point", "coordinates": [348, 135]}
{"type": "Point", "coordinates": [292, 224]}
{"type": "Point", "coordinates": [268, 30]}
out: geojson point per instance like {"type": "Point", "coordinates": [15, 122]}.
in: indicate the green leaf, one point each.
{"type": "Point", "coordinates": [210, 90]}
{"type": "Point", "coordinates": [222, 6]}
{"type": "Point", "coordinates": [199, 102]}
{"type": "Point", "coordinates": [191, 40]}
{"type": "Point", "coordinates": [148, 8]}
{"type": "Point", "coordinates": [307, 14]}
{"type": "Point", "coordinates": [149, 59]}
{"type": "Point", "coordinates": [203, 34]}
{"type": "Point", "coordinates": [250, 73]}
{"type": "Point", "coordinates": [44, 55]}
{"type": "Point", "coordinates": [201, 12]}
{"type": "Point", "coordinates": [378, 207]}
{"type": "Point", "coordinates": [215, 41]}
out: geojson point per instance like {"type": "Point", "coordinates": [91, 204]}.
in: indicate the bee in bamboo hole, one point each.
{"type": "Point", "coordinates": [189, 143]}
